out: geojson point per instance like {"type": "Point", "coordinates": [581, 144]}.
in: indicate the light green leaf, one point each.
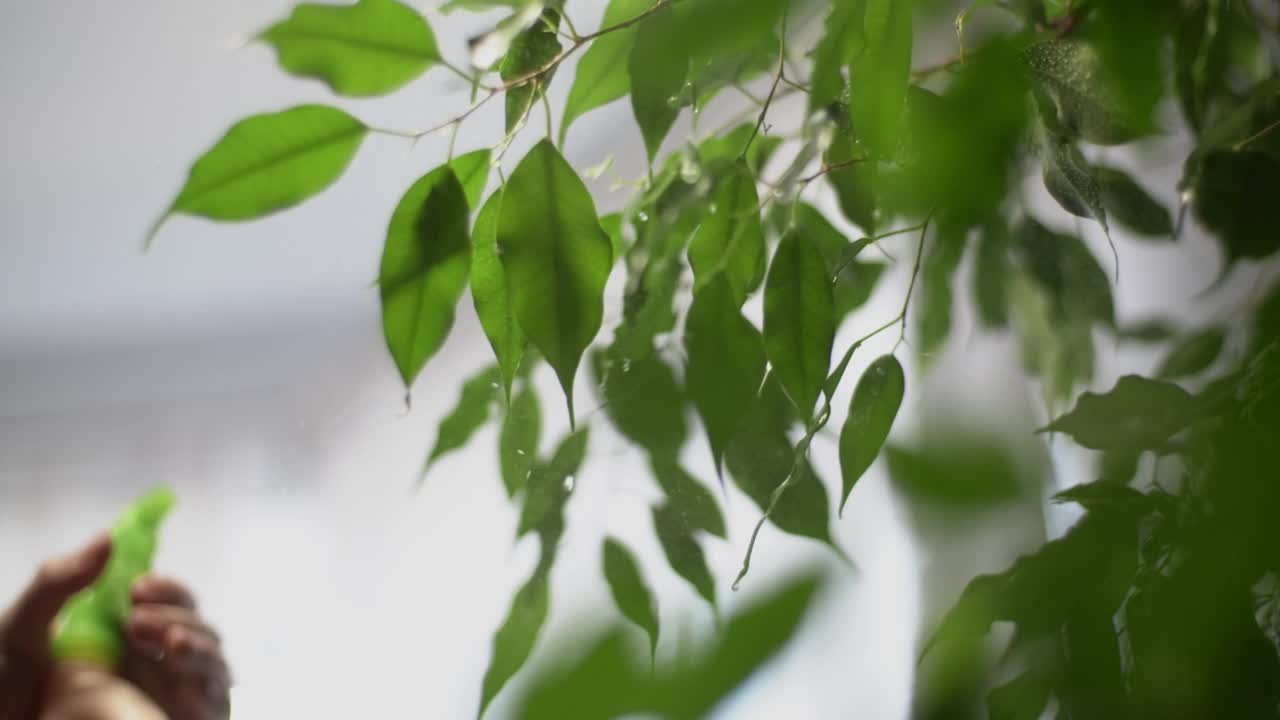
{"type": "Point", "coordinates": [688, 498]}
{"type": "Point", "coordinates": [1193, 354]}
{"type": "Point", "coordinates": [479, 393]}
{"type": "Point", "coordinates": [484, 5]}
{"type": "Point", "coordinates": [472, 170]}
{"type": "Point", "coordinates": [872, 411]}
{"type": "Point", "coordinates": [530, 51]}
{"type": "Point", "coordinates": [630, 593]}
{"type": "Point", "coordinates": [513, 642]}
{"type": "Point", "coordinates": [842, 41]}
{"type": "Point", "coordinates": [518, 441]}
{"type": "Point", "coordinates": [724, 28]}
{"type": "Point", "coordinates": [602, 75]}
{"type": "Point", "coordinates": [726, 362]}
{"type": "Point", "coordinates": [658, 70]}
{"type": "Point", "coordinates": [684, 555]}
{"type": "Point", "coordinates": [369, 48]}
{"type": "Point", "coordinates": [489, 292]}
{"type": "Point", "coordinates": [881, 74]}
{"type": "Point", "coordinates": [1130, 205]}
{"type": "Point", "coordinates": [799, 319]}
{"type": "Point", "coordinates": [557, 259]}
{"type": "Point", "coordinates": [424, 269]}
{"type": "Point", "coordinates": [270, 162]}
{"type": "Point", "coordinates": [730, 240]}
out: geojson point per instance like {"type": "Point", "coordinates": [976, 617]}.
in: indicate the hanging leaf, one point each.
{"type": "Point", "coordinates": [854, 279]}
{"type": "Point", "coordinates": [726, 362]}
{"type": "Point", "coordinates": [874, 406]}
{"type": "Point", "coordinates": [1068, 70]}
{"type": "Point", "coordinates": [658, 69]}
{"type": "Point", "coordinates": [514, 641]}
{"type": "Point", "coordinates": [602, 75]}
{"type": "Point", "coordinates": [1104, 496]}
{"type": "Point", "coordinates": [369, 48]}
{"type": "Point", "coordinates": [1148, 331]}
{"type": "Point", "coordinates": [548, 489]}
{"type": "Point", "coordinates": [719, 153]}
{"type": "Point", "coordinates": [709, 74]}
{"type": "Point", "coordinates": [424, 269]}
{"type": "Point", "coordinates": [643, 400]}
{"type": "Point", "coordinates": [630, 593]}
{"type": "Point", "coordinates": [1130, 205]}
{"type": "Point", "coordinates": [1022, 698]}
{"type": "Point", "coordinates": [842, 41]}
{"type": "Point", "coordinates": [1235, 197]}
{"type": "Point", "coordinates": [489, 292]}
{"type": "Point", "coordinates": [723, 28]}
{"type": "Point", "coordinates": [479, 393]}
{"type": "Point", "coordinates": [1070, 181]}
{"type": "Point", "coordinates": [518, 441]}
{"type": "Point", "coordinates": [990, 275]}
{"type": "Point", "coordinates": [730, 240]}
{"type": "Point", "coordinates": [1137, 414]}
{"type": "Point", "coordinates": [799, 319]}
{"type": "Point", "coordinates": [530, 53]}
{"type": "Point", "coordinates": [472, 170]}
{"type": "Point", "coordinates": [556, 258]}
{"type": "Point", "coordinates": [688, 498]}
{"type": "Point", "coordinates": [880, 75]}
{"type": "Point", "coordinates": [1076, 284]}
{"type": "Point", "coordinates": [1193, 354]}
{"type": "Point", "coordinates": [853, 182]}
{"type": "Point", "coordinates": [684, 555]}
{"type": "Point", "coordinates": [270, 162]}
{"type": "Point", "coordinates": [958, 473]}
{"type": "Point", "coordinates": [935, 285]}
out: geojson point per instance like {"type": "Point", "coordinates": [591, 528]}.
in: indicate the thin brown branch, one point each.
{"type": "Point", "coordinates": [773, 89]}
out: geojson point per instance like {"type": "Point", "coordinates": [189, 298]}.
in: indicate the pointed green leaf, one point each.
{"type": "Point", "coordinates": [530, 51]}
{"type": "Point", "coordinates": [991, 275]}
{"type": "Point", "coordinates": [369, 48]}
{"type": "Point", "coordinates": [479, 393]}
{"type": "Point", "coordinates": [270, 162]}
{"type": "Point", "coordinates": [842, 41]}
{"type": "Point", "coordinates": [658, 70]}
{"type": "Point", "coordinates": [1193, 354]}
{"type": "Point", "coordinates": [424, 269]}
{"type": "Point", "coordinates": [724, 28]}
{"type": "Point", "coordinates": [855, 279]}
{"type": "Point", "coordinates": [684, 555]}
{"type": "Point", "coordinates": [643, 400]}
{"type": "Point", "coordinates": [1130, 205]}
{"type": "Point", "coordinates": [954, 472]}
{"type": "Point", "coordinates": [630, 593]}
{"type": "Point", "coordinates": [688, 498]}
{"type": "Point", "coordinates": [549, 487]}
{"type": "Point", "coordinates": [1105, 496]}
{"type": "Point", "coordinates": [1022, 698]}
{"type": "Point", "coordinates": [489, 292]}
{"type": "Point", "coordinates": [730, 239]}
{"type": "Point", "coordinates": [726, 362]}
{"type": "Point", "coordinates": [556, 257]}
{"type": "Point", "coordinates": [1070, 181]}
{"type": "Point", "coordinates": [1069, 71]}
{"type": "Point", "coordinates": [881, 73]}
{"type": "Point", "coordinates": [472, 170]}
{"type": "Point", "coordinates": [872, 410]}
{"type": "Point", "coordinates": [1062, 264]}
{"type": "Point", "coordinates": [1235, 196]}
{"type": "Point", "coordinates": [723, 150]}
{"type": "Point", "coordinates": [1137, 414]}
{"type": "Point", "coordinates": [612, 225]}
{"type": "Point", "coordinates": [602, 75]}
{"type": "Point", "coordinates": [934, 318]}
{"type": "Point", "coordinates": [799, 319]}
{"type": "Point", "coordinates": [518, 441]}
{"type": "Point", "coordinates": [513, 642]}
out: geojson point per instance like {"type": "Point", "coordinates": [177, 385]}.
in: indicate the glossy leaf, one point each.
{"type": "Point", "coordinates": [513, 642]}
{"type": "Point", "coordinates": [518, 441]}
{"type": "Point", "coordinates": [643, 400]}
{"type": "Point", "coordinates": [842, 41]}
{"type": "Point", "coordinates": [881, 73]}
{"type": "Point", "coordinates": [369, 48]}
{"type": "Point", "coordinates": [602, 75]}
{"type": "Point", "coordinates": [799, 319]}
{"type": "Point", "coordinates": [1130, 205]}
{"type": "Point", "coordinates": [1235, 197]}
{"type": "Point", "coordinates": [872, 410]}
{"type": "Point", "coordinates": [726, 362]}
{"type": "Point", "coordinates": [658, 69]}
{"type": "Point", "coordinates": [556, 257]}
{"type": "Point", "coordinates": [530, 52]}
{"type": "Point", "coordinates": [479, 393]}
{"type": "Point", "coordinates": [684, 555]}
{"type": "Point", "coordinates": [490, 295]}
{"type": "Point", "coordinates": [612, 225]}
{"type": "Point", "coordinates": [630, 592]}
{"type": "Point", "coordinates": [730, 240]}
{"type": "Point", "coordinates": [424, 269]}
{"type": "Point", "coordinates": [270, 162]}
{"type": "Point", "coordinates": [1193, 354]}
{"type": "Point", "coordinates": [472, 170]}
{"type": "Point", "coordinates": [1137, 414]}
{"type": "Point", "coordinates": [688, 498]}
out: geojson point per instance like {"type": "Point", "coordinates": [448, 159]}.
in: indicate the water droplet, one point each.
{"type": "Point", "coordinates": [712, 208]}
{"type": "Point", "coordinates": [643, 216]}
{"type": "Point", "coordinates": [569, 483]}
{"type": "Point", "coordinates": [520, 452]}
{"type": "Point", "coordinates": [690, 170]}
{"type": "Point", "coordinates": [626, 365]}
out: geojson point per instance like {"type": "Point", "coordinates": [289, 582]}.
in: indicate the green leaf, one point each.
{"type": "Point", "coordinates": [643, 400]}
{"type": "Point", "coordinates": [369, 48]}
{"type": "Point", "coordinates": [853, 185]}
{"type": "Point", "coordinates": [484, 5]}
{"type": "Point", "coordinates": [630, 593]}
{"type": "Point", "coordinates": [958, 473]}
{"type": "Point", "coordinates": [1193, 354]}
{"type": "Point", "coordinates": [688, 498]}
{"type": "Point", "coordinates": [1076, 284]}
{"type": "Point", "coordinates": [1235, 197]}
{"type": "Point", "coordinates": [556, 258]}
{"type": "Point", "coordinates": [934, 316]}
{"type": "Point", "coordinates": [1022, 698]}
{"type": "Point", "coordinates": [799, 319]}
{"type": "Point", "coordinates": [602, 75]}
{"type": "Point", "coordinates": [990, 275]}
{"type": "Point", "coordinates": [472, 170]}
{"type": "Point", "coordinates": [479, 393]}
{"type": "Point", "coordinates": [518, 441]}
{"type": "Point", "coordinates": [424, 269]}
{"type": "Point", "coordinates": [730, 240]}
{"type": "Point", "coordinates": [270, 162]}
{"type": "Point", "coordinates": [842, 41]}
{"type": "Point", "coordinates": [1070, 181]}
{"type": "Point", "coordinates": [1147, 331]}
{"type": "Point", "coordinates": [855, 279]}
{"type": "Point", "coordinates": [1104, 496]}
{"type": "Point", "coordinates": [548, 489]}
{"type": "Point", "coordinates": [1130, 205]}
{"type": "Point", "coordinates": [709, 74]}
{"type": "Point", "coordinates": [1069, 71]}
{"type": "Point", "coordinates": [724, 28]}
{"type": "Point", "coordinates": [684, 555]}
{"type": "Point", "coordinates": [719, 152]}
{"type": "Point", "coordinates": [513, 642]}
{"type": "Point", "coordinates": [881, 73]}
{"type": "Point", "coordinates": [872, 411]}
{"type": "Point", "coordinates": [658, 70]}
{"type": "Point", "coordinates": [726, 362]}
{"type": "Point", "coordinates": [530, 51]}
{"type": "Point", "coordinates": [1137, 414]}
{"type": "Point", "coordinates": [490, 295]}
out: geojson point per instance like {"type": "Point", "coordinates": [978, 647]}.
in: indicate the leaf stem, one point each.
{"type": "Point", "coordinates": [911, 286]}
{"type": "Point", "coordinates": [1256, 136]}
{"type": "Point", "coordinates": [773, 89]}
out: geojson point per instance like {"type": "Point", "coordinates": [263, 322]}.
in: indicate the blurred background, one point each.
{"type": "Point", "coordinates": [244, 365]}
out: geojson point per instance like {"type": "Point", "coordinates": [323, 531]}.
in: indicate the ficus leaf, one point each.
{"type": "Point", "coordinates": [472, 170]}
{"type": "Point", "coordinates": [730, 241]}
{"type": "Point", "coordinates": [853, 183]}
{"type": "Point", "coordinates": [490, 295]}
{"type": "Point", "coordinates": [854, 279]}
{"type": "Point", "coordinates": [1104, 496]}
{"type": "Point", "coordinates": [556, 257]}
{"type": "Point", "coordinates": [513, 642]}
{"type": "Point", "coordinates": [530, 51]}
{"type": "Point", "coordinates": [842, 41]}
{"type": "Point", "coordinates": [602, 75]}
{"type": "Point", "coordinates": [881, 73]}
{"type": "Point", "coordinates": [990, 275]}
{"type": "Point", "coordinates": [1193, 354]}
{"type": "Point", "coordinates": [687, 497]}
{"type": "Point", "coordinates": [643, 400]}
{"type": "Point", "coordinates": [1070, 181]}
{"type": "Point", "coordinates": [369, 48]}
{"type": "Point", "coordinates": [424, 269]}
{"type": "Point", "coordinates": [1022, 698]}
{"type": "Point", "coordinates": [630, 592]}
{"type": "Point", "coordinates": [518, 440]}
{"type": "Point", "coordinates": [479, 393]}
{"type": "Point", "coordinates": [658, 70]}
{"type": "Point", "coordinates": [934, 315]}
{"type": "Point", "coordinates": [874, 406]}
{"type": "Point", "coordinates": [684, 555]}
{"type": "Point", "coordinates": [548, 489]}
{"type": "Point", "coordinates": [1235, 196]}
{"type": "Point", "coordinates": [1076, 284]}
{"type": "Point", "coordinates": [1130, 205]}
{"type": "Point", "coordinates": [1137, 414]}
{"type": "Point", "coordinates": [1069, 71]}
{"type": "Point", "coordinates": [799, 319]}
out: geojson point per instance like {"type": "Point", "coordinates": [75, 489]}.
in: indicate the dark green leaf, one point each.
{"type": "Point", "coordinates": [872, 411]}
{"type": "Point", "coordinates": [726, 362]}
{"type": "Point", "coordinates": [991, 275]}
{"type": "Point", "coordinates": [1130, 37]}
{"type": "Point", "coordinates": [1193, 354]}
{"type": "Point", "coordinates": [853, 185]}
{"type": "Point", "coordinates": [630, 593]}
{"type": "Point", "coordinates": [556, 258]}
{"type": "Point", "coordinates": [270, 162]}
{"type": "Point", "coordinates": [855, 279]}
{"type": "Point", "coordinates": [1235, 196]}
{"type": "Point", "coordinates": [601, 76]}
{"type": "Point", "coordinates": [530, 52]}
{"type": "Point", "coordinates": [1148, 331]}
{"type": "Point", "coordinates": [934, 316]}
{"type": "Point", "coordinates": [518, 442]}
{"type": "Point", "coordinates": [1070, 181]}
{"type": "Point", "coordinates": [1103, 496]}
{"type": "Point", "coordinates": [514, 641]}
{"type": "Point", "coordinates": [881, 73]}
{"type": "Point", "coordinates": [688, 498]}
{"type": "Point", "coordinates": [723, 28]}
{"type": "Point", "coordinates": [1138, 414]}
{"type": "Point", "coordinates": [1130, 205]}
{"type": "Point", "coordinates": [1022, 698]}
{"type": "Point", "coordinates": [842, 41]}
{"type": "Point", "coordinates": [472, 170]}
{"type": "Point", "coordinates": [730, 241]}
{"type": "Point", "coordinates": [490, 295]}
{"type": "Point", "coordinates": [1076, 284]}
{"type": "Point", "coordinates": [799, 319]}
{"type": "Point", "coordinates": [479, 393]}
{"type": "Point", "coordinates": [957, 473]}
{"type": "Point", "coordinates": [369, 48]}
{"type": "Point", "coordinates": [684, 555]}
{"type": "Point", "coordinates": [424, 269]}
{"type": "Point", "coordinates": [643, 400]}
{"type": "Point", "coordinates": [658, 69]}
{"type": "Point", "coordinates": [1068, 70]}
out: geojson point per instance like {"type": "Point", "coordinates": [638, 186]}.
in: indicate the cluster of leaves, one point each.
{"type": "Point", "coordinates": [939, 151]}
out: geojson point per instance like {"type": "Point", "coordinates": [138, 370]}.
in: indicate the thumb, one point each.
{"type": "Point", "coordinates": [26, 633]}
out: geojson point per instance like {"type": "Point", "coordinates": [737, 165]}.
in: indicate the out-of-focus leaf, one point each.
{"type": "Point", "coordinates": [1235, 197]}
{"type": "Point", "coordinates": [723, 28]}
{"type": "Point", "coordinates": [940, 265]}
{"type": "Point", "coordinates": [1106, 496]}
{"type": "Point", "coordinates": [872, 410]}
{"type": "Point", "coordinates": [424, 269]}
{"type": "Point", "coordinates": [1193, 354]}
{"type": "Point", "coordinates": [1070, 181]}
{"type": "Point", "coordinates": [484, 5]}
{"type": "Point", "coordinates": [630, 593]}
{"type": "Point", "coordinates": [472, 170]}
{"type": "Point", "coordinates": [530, 51]}
{"type": "Point", "coordinates": [881, 73]}
{"type": "Point", "coordinates": [491, 48]}
{"type": "Point", "coordinates": [688, 498]}
{"type": "Point", "coordinates": [1147, 331]}
{"type": "Point", "coordinates": [1022, 698]}
{"type": "Point", "coordinates": [799, 319]}
{"type": "Point", "coordinates": [684, 555]}
{"type": "Point", "coordinates": [1130, 205]}
{"type": "Point", "coordinates": [602, 75]}
{"type": "Point", "coordinates": [556, 257]}
{"type": "Point", "coordinates": [1137, 414]}
{"type": "Point", "coordinates": [1068, 272]}
{"type": "Point", "coordinates": [479, 393]}
{"type": "Point", "coordinates": [612, 226]}
{"type": "Point", "coordinates": [991, 275]}
{"type": "Point", "coordinates": [956, 473]}
{"type": "Point", "coordinates": [1130, 37]}
{"type": "Point", "coordinates": [1206, 39]}
{"type": "Point", "coordinates": [658, 69]}
{"type": "Point", "coordinates": [518, 441]}
{"type": "Point", "coordinates": [730, 241]}
{"type": "Point", "coordinates": [1055, 346]}
{"type": "Point", "coordinates": [549, 486]}
{"type": "Point", "coordinates": [489, 292]}
{"type": "Point", "coordinates": [1069, 71]}
{"type": "Point", "coordinates": [842, 41]}
{"type": "Point", "coordinates": [369, 48]}
{"type": "Point", "coordinates": [643, 400]}
{"type": "Point", "coordinates": [513, 642]}
{"type": "Point", "coordinates": [726, 362]}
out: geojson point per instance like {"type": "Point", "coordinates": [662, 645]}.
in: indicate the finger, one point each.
{"type": "Point", "coordinates": [189, 652]}
{"type": "Point", "coordinates": [27, 631]}
{"type": "Point", "coordinates": [159, 590]}
{"type": "Point", "coordinates": [150, 624]}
